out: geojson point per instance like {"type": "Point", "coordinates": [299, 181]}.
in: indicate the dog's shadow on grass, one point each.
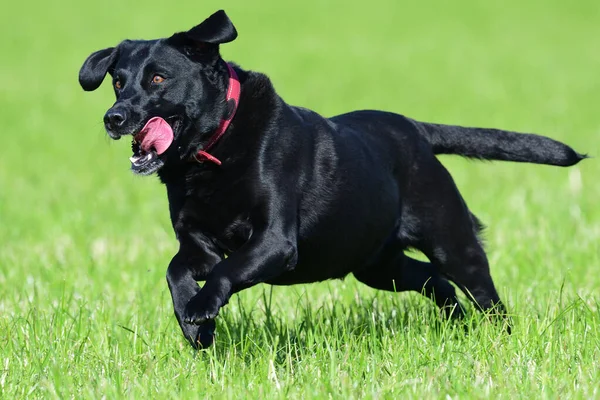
{"type": "Point", "coordinates": [288, 337]}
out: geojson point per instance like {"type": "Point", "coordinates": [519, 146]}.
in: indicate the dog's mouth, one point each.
{"type": "Point", "coordinates": [149, 143]}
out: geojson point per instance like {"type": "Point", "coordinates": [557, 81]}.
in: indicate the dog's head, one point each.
{"type": "Point", "coordinates": [171, 93]}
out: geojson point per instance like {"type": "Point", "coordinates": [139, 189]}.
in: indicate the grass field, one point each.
{"type": "Point", "coordinates": [84, 307]}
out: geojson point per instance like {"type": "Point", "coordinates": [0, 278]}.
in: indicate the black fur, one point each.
{"type": "Point", "coordinates": [299, 197]}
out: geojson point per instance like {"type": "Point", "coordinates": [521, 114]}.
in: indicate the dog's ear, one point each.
{"type": "Point", "coordinates": [215, 30]}
{"type": "Point", "coordinates": [96, 66]}
{"type": "Point", "coordinates": [204, 39]}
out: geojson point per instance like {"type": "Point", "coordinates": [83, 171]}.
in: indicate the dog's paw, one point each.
{"type": "Point", "coordinates": [200, 309]}
{"type": "Point", "coordinates": [206, 335]}
{"type": "Point", "coordinates": [200, 336]}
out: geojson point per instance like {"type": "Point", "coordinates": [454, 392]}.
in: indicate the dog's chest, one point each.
{"type": "Point", "coordinates": [218, 213]}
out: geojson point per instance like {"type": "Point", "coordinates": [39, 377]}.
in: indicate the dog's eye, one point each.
{"type": "Point", "coordinates": [117, 84]}
{"type": "Point", "coordinates": [158, 79]}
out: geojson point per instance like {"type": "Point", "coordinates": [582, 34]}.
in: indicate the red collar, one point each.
{"type": "Point", "coordinates": [232, 99]}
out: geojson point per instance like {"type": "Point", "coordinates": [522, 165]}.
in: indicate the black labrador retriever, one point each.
{"type": "Point", "coordinates": [262, 191]}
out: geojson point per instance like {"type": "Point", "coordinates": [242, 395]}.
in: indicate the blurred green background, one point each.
{"type": "Point", "coordinates": [84, 244]}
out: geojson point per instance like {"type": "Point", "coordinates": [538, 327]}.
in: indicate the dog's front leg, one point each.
{"type": "Point", "coordinates": [263, 257]}
{"type": "Point", "coordinates": [192, 263]}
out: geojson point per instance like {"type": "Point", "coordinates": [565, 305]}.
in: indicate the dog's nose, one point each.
{"type": "Point", "coordinates": [115, 118]}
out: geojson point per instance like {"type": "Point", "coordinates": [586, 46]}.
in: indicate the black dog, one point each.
{"type": "Point", "coordinates": [287, 196]}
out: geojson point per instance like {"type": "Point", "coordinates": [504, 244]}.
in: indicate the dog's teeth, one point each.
{"type": "Point", "coordinates": [133, 159]}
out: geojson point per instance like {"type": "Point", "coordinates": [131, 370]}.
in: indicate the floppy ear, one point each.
{"type": "Point", "coordinates": [96, 66]}
{"type": "Point", "coordinates": [204, 39]}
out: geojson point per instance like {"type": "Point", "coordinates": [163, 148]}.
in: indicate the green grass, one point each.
{"type": "Point", "coordinates": [84, 307]}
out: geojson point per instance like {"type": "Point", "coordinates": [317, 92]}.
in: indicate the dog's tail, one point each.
{"type": "Point", "coordinates": [495, 144]}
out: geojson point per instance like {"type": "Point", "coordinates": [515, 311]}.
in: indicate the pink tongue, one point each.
{"type": "Point", "coordinates": [158, 135]}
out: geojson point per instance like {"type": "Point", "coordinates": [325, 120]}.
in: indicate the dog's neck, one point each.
{"type": "Point", "coordinates": [232, 100]}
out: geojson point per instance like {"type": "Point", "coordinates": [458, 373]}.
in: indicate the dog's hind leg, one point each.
{"type": "Point", "coordinates": [447, 233]}
{"type": "Point", "coordinates": [465, 263]}
{"type": "Point", "coordinates": [400, 273]}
